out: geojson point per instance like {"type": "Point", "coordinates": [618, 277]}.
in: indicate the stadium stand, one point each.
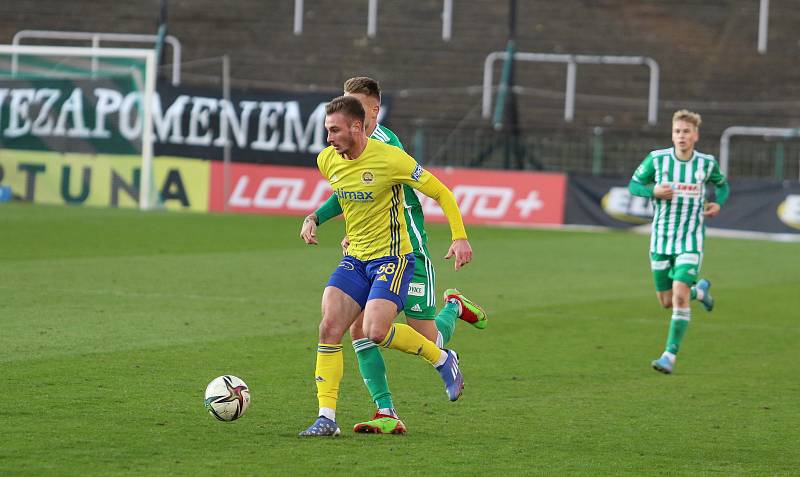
{"type": "Point", "coordinates": [706, 50]}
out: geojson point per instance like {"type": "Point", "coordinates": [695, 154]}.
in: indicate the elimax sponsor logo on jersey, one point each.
{"type": "Point", "coordinates": [789, 211]}
{"type": "Point", "coordinates": [355, 196]}
{"type": "Point", "coordinates": [620, 204]}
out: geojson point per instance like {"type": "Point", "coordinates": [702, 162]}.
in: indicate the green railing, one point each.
{"type": "Point", "coordinates": [597, 152]}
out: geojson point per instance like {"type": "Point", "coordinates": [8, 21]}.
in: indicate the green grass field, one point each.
{"type": "Point", "coordinates": [114, 321]}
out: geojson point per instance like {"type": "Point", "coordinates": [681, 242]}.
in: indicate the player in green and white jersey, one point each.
{"type": "Point", "coordinates": [676, 179]}
{"type": "Point", "coordinates": [420, 305]}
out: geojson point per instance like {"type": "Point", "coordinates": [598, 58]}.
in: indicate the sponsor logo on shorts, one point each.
{"type": "Point", "coordinates": [692, 271]}
{"type": "Point", "coordinates": [659, 264]}
{"type": "Point", "coordinates": [416, 307]}
{"type": "Point", "coordinates": [416, 289]}
{"type": "Point", "coordinates": [347, 266]}
{"type": "Point", "coordinates": [688, 259]}
{"type": "Point", "coordinates": [382, 278]}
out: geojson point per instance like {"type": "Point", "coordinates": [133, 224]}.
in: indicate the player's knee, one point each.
{"type": "Point", "coordinates": [680, 302]}
{"type": "Point", "coordinates": [666, 303]}
{"type": "Point", "coordinates": [357, 331]}
{"type": "Point", "coordinates": [329, 331]}
{"type": "Point", "coordinates": [376, 331]}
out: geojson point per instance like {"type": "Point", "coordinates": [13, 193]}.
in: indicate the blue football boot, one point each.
{"type": "Point", "coordinates": [321, 427]}
{"type": "Point", "coordinates": [663, 365]}
{"type": "Point", "coordinates": [451, 375]}
{"type": "Point", "coordinates": [707, 301]}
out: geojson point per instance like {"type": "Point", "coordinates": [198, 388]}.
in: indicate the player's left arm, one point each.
{"type": "Point", "coordinates": [721, 192]}
{"type": "Point", "coordinates": [414, 175]}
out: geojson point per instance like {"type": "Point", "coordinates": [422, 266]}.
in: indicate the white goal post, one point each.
{"type": "Point", "coordinates": [146, 194]}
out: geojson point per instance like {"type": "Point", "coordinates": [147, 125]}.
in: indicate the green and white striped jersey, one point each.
{"type": "Point", "coordinates": [415, 219]}
{"type": "Point", "coordinates": [678, 224]}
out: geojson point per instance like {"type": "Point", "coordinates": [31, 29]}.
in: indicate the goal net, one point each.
{"type": "Point", "coordinates": [76, 125]}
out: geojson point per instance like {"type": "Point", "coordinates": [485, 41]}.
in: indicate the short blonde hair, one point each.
{"type": "Point", "coordinates": [689, 116]}
{"type": "Point", "coordinates": [363, 85]}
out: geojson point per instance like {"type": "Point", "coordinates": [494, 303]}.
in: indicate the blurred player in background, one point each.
{"type": "Point", "coordinates": [420, 305]}
{"type": "Point", "coordinates": [676, 179]}
{"type": "Point", "coordinates": [373, 277]}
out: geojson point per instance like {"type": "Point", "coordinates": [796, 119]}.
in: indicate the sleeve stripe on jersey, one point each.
{"type": "Point", "coordinates": [394, 222]}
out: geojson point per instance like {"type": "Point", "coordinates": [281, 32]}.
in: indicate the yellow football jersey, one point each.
{"type": "Point", "coordinates": [370, 192]}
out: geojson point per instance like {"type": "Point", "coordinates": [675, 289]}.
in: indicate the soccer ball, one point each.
{"type": "Point", "coordinates": [227, 398]}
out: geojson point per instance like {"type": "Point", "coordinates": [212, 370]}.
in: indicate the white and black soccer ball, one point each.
{"type": "Point", "coordinates": [227, 398]}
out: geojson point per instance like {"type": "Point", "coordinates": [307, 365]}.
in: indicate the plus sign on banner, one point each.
{"type": "Point", "coordinates": [501, 197]}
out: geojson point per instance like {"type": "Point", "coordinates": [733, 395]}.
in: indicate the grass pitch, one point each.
{"type": "Point", "coordinates": [114, 321]}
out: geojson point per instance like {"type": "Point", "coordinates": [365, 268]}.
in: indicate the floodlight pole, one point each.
{"type": "Point", "coordinates": [372, 18]}
{"type": "Point", "coordinates": [447, 20]}
{"type": "Point", "coordinates": [298, 17]}
{"type": "Point", "coordinates": [763, 26]}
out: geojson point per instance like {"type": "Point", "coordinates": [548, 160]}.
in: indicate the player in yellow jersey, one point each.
{"type": "Point", "coordinates": [420, 305]}
{"type": "Point", "coordinates": [367, 177]}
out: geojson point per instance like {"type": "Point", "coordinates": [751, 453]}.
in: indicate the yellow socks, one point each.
{"type": "Point", "coordinates": [328, 374]}
{"type": "Point", "coordinates": [407, 339]}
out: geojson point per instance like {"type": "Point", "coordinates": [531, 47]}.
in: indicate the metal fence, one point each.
{"type": "Point", "coordinates": [596, 152]}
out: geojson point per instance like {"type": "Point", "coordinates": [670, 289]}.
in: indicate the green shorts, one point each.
{"type": "Point", "coordinates": [684, 267]}
{"type": "Point", "coordinates": [421, 299]}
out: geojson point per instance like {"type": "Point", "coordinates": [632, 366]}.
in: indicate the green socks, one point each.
{"type": "Point", "coordinates": [677, 329]}
{"type": "Point", "coordinates": [373, 370]}
{"type": "Point", "coordinates": [446, 321]}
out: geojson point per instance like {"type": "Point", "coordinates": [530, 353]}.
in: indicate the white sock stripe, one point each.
{"type": "Point", "coordinates": [682, 314]}
{"type": "Point", "coordinates": [363, 344]}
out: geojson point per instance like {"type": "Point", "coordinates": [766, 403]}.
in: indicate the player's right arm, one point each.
{"type": "Point", "coordinates": [328, 210]}
{"type": "Point", "coordinates": [642, 183]}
